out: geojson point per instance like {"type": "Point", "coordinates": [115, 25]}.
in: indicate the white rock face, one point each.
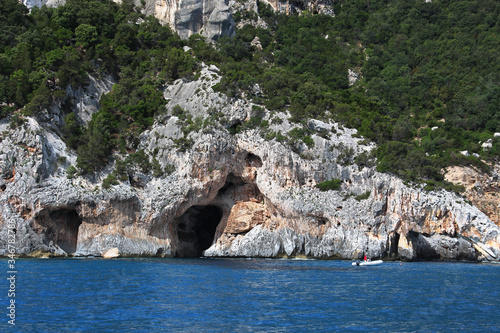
{"type": "Point", "coordinates": [247, 6]}
{"type": "Point", "coordinates": [314, 6]}
{"type": "Point", "coordinates": [210, 18]}
{"type": "Point", "coordinates": [487, 145]}
{"type": "Point", "coordinates": [199, 98]}
{"type": "Point", "coordinates": [352, 76]}
{"type": "Point", "coordinates": [87, 98]}
{"type": "Point", "coordinates": [85, 102]}
{"type": "Point", "coordinates": [39, 3]}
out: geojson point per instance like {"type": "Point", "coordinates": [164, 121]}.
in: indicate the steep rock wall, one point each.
{"type": "Point", "coordinates": [481, 189]}
{"type": "Point", "coordinates": [40, 3]}
{"type": "Point", "coordinates": [210, 18]}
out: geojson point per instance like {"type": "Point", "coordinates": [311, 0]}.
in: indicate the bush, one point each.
{"type": "Point", "coordinates": [308, 141]}
{"type": "Point", "coordinates": [363, 196]}
{"type": "Point", "coordinates": [365, 159]}
{"type": "Point", "coordinates": [16, 121]}
{"type": "Point", "coordinates": [178, 111]}
{"type": "Point", "coordinates": [169, 169]}
{"type": "Point", "coordinates": [329, 185]}
{"type": "Point", "coordinates": [183, 144]}
{"type": "Point", "coordinates": [70, 171]}
{"type": "Point", "coordinates": [157, 170]}
{"type": "Point", "coordinates": [109, 180]}
{"type": "Point", "coordinates": [141, 160]}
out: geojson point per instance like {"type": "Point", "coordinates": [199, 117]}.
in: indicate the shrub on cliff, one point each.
{"type": "Point", "coordinates": [109, 180]}
{"type": "Point", "coordinates": [329, 185]}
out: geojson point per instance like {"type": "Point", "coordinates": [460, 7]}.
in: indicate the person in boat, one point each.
{"type": "Point", "coordinates": [365, 258]}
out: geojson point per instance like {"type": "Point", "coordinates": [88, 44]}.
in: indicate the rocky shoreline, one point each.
{"type": "Point", "coordinates": [227, 195]}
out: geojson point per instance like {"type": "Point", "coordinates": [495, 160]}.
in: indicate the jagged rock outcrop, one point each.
{"type": "Point", "coordinates": [85, 100]}
{"type": "Point", "coordinates": [246, 10]}
{"type": "Point", "coordinates": [226, 194]}
{"type": "Point", "coordinates": [210, 18]}
{"type": "Point", "coordinates": [480, 188]}
{"type": "Point", "coordinates": [40, 3]}
{"type": "Point", "coordinates": [82, 101]}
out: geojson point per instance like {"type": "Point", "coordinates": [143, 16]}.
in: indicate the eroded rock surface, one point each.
{"type": "Point", "coordinates": [40, 3]}
{"type": "Point", "coordinates": [481, 189]}
{"type": "Point", "coordinates": [313, 6]}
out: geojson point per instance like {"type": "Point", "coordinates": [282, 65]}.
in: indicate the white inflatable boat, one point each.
{"type": "Point", "coordinates": [367, 263]}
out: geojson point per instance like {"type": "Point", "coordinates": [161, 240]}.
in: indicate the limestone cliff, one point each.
{"type": "Point", "coordinates": [40, 3]}
{"type": "Point", "coordinates": [480, 188]}
{"type": "Point", "coordinates": [226, 194]}
{"type": "Point", "coordinates": [210, 18]}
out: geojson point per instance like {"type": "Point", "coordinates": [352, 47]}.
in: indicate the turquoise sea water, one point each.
{"type": "Point", "coordinates": [247, 295]}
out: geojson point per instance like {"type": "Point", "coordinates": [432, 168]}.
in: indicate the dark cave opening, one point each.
{"type": "Point", "coordinates": [232, 182]}
{"type": "Point", "coordinates": [393, 250]}
{"type": "Point", "coordinates": [253, 160]}
{"type": "Point", "coordinates": [423, 249]}
{"type": "Point", "coordinates": [196, 230]}
{"type": "Point", "coordinates": [60, 227]}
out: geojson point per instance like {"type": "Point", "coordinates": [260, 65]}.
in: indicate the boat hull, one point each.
{"type": "Point", "coordinates": [368, 263]}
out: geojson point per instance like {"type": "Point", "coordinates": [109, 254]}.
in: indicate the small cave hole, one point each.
{"type": "Point", "coordinates": [232, 183]}
{"type": "Point", "coordinates": [253, 160]}
{"type": "Point", "coordinates": [196, 230]}
{"type": "Point", "coordinates": [234, 128]}
{"type": "Point", "coordinates": [322, 220]}
{"type": "Point", "coordinates": [393, 251]}
{"type": "Point", "coordinates": [227, 186]}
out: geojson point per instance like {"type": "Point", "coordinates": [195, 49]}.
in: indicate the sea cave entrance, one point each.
{"type": "Point", "coordinates": [196, 230]}
{"type": "Point", "coordinates": [60, 227]}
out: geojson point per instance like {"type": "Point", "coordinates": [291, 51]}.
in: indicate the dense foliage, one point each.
{"type": "Point", "coordinates": [429, 86]}
{"type": "Point", "coordinates": [329, 185]}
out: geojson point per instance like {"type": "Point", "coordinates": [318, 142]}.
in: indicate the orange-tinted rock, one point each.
{"type": "Point", "coordinates": [244, 216]}
{"type": "Point", "coordinates": [111, 253]}
{"type": "Point", "coordinates": [481, 189]}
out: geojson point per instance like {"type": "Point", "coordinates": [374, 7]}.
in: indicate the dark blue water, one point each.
{"type": "Point", "coordinates": [246, 295]}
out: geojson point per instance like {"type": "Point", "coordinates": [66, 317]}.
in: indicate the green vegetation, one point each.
{"type": "Point", "coordinates": [300, 134]}
{"type": "Point", "coordinates": [329, 185]}
{"type": "Point", "coordinates": [109, 180]}
{"type": "Point", "coordinates": [363, 196]}
{"type": "Point", "coordinates": [71, 171]}
{"type": "Point", "coordinates": [429, 85]}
